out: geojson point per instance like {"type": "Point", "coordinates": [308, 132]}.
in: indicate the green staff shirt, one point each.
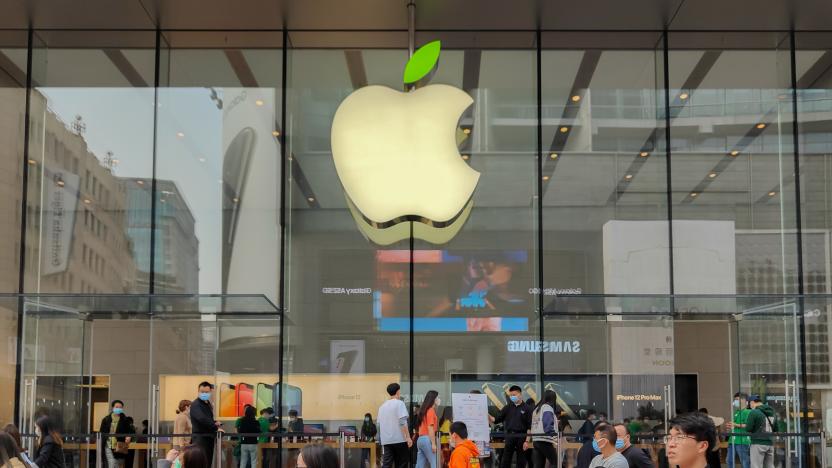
{"type": "Point", "coordinates": [740, 418]}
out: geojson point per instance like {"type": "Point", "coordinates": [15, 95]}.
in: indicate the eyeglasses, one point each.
{"type": "Point", "coordinates": [677, 438]}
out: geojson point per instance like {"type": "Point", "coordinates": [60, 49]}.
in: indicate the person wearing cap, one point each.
{"type": "Point", "coordinates": [739, 445]}
{"type": "Point", "coordinates": [760, 425]}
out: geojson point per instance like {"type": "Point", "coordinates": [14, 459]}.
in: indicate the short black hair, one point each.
{"type": "Point", "coordinates": [741, 395]}
{"type": "Point", "coordinates": [697, 425]}
{"type": "Point", "coordinates": [268, 410]}
{"type": "Point", "coordinates": [459, 428]}
{"type": "Point", "coordinates": [703, 410]}
{"type": "Point", "coordinates": [590, 412]}
{"type": "Point", "coordinates": [318, 455]}
{"type": "Point", "coordinates": [393, 388]}
{"type": "Point", "coordinates": [293, 412]}
{"type": "Point", "coordinates": [113, 404]}
{"type": "Point", "coordinates": [626, 428]}
{"type": "Point", "coordinates": [205, 383]}
{"type": "Point", "coordinates": [515, 388]}
{"type": "Point", "coordinates": [607, 431]}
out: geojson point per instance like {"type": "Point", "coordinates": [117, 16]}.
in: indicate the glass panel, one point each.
{"type": "Point", "coordinates": [91, 143]}
{"type": "Point", "coordinates": [13, 50]}
{"type": "Point", "coordinates": [346, 321]}
{"type": "Point", "coordinates": [733, 168]}
{"type": "Point", "coordinates": [218, 163]}
{"type": "Point", "coordinates": [605, 171]}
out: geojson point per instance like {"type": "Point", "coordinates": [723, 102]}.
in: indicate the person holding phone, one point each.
{"type": "Point", "coordinates": [202, 420]}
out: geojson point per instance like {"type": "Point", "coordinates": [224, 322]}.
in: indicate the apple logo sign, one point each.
{"type": "Point", "coordinates": [397, 157]}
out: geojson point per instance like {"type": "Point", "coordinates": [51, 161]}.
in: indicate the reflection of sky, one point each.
{"type": "Point", "coordinates": [121, 120]}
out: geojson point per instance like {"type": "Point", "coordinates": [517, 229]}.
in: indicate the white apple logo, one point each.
{"type": "Point", "coordinates": [396, 153]}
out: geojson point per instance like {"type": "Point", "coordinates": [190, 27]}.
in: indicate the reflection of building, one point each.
{"type": "Point", "coordinates": [76, 237]}
{"type": "Point", "coordinates": [177, 247]}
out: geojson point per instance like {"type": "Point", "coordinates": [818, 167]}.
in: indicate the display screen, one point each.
{"type": "Point", "coordinates": [453, 291]}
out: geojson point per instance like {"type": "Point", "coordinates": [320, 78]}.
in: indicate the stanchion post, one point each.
{"type": "Point", "coordinates": [218, 450]}
{"type": "Point", "coordinates": [341, 450]}
{"type": "Point", "coordinates": [99, 450]}
{"type": "Point", "coordinates": [438, 453]}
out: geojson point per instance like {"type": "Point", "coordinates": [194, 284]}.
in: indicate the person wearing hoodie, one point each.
{"type": "Point", "coordinates": [464, 450]}
{"type": "Point", "coordinates": [760, 425]}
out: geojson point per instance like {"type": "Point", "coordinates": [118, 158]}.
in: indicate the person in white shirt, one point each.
{"type": "Point", "coordinates": [392, 430]}
{"type": "Point", "coordinates": [604, 442]}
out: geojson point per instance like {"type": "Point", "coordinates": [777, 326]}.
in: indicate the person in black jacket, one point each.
{"type": "Point", "coordinates": [50, 451]}
{"type": "Point", "coordinates": [115, 423]}
{"type": "Point", "coordinates": [516, 417]}
{"type": "Point", "coordinates": [636, 457]}
{"type": "Point", "coordinates": [203, 424]}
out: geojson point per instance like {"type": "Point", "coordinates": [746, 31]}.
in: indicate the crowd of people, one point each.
{"type": "Point", "coordinates": [531, 432]}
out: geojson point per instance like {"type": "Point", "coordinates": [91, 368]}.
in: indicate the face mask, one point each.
{"type": "Point", "coordinates": [595, 446]}
{"type": "Point", "coordinates": [438, 402]}
{"type": "Point", "coordinates": [205, 396]}
{"type": "Point", "coordinates": [514, 398]}
{"type": "Point", "coordinates": [736, 403]}
{"type": "Point", "coordinates": [118, 411]}
{"type": "Point", "coordinates": [619, 444]}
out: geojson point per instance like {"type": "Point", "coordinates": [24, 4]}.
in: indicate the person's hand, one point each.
{"type": "Point", "coordinates": [526, 446]}
{"type": "Point", "coordinates": [217, 423]}
{"type": "Point", "coordinates": [409, 442]}
{"type": "Point", "coordinates": [491, 419]}
{"type": "Point", "coordinates": [172, 455]}
{"type": "Point", "coordinates": [433, 447]}
{"type": "Point", "coordinates": [729, 425]}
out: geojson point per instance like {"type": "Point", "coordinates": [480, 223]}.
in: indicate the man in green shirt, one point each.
{"type": "Point", "coordinates": [739, 445]}
{"type": "Point", "coordinates": [760, 425]}
{"type": "Point", "coordinates": [267, 424]}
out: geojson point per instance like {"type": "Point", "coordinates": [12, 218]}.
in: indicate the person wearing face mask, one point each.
{"type": "Point", "coordinates": [427, 422]}
{"type": "Point", "coordinates": [464, 451]}
{"type": "Point", "coordinates": [604, 441]}
{"type": "Point", "coordinates": [295, 422]}
{"type": "Point", "coordinates": [636, 457]}
{"type": "Point", "coordinates": [116, 425]}
{"type": "Point", "coordinates": [203, 424]}
{"type": "Point", "coordinates": [516, 417]}
{"type": "Point", "coordinates": [739, 445]}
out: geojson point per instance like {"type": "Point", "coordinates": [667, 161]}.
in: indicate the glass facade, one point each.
{"type": "Point", "coordinates": [649, 233]}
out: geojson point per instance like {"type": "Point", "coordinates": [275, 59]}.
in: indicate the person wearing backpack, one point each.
{"type": "Point", "coordinates": [760, 425]}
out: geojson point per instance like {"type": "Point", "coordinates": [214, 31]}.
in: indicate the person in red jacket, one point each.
{"type": "Point", "coordinates": [465, 454]}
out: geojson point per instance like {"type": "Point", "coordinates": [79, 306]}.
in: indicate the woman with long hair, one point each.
{"type": "Point", "coordinates": [12, 430]}
{"type": "Point", "coordinates": [182, 425]}
{"type": "Point", "coordinates": [427, 423]}
{"type": "Point", "coordinates": [445, 434]}
{"type": "Point", "coordinates": [248, 425]}
{"type": "Point", "coordinates": [10, 455]}
{"type": "Point", "coordinates": [545, 431]}
{"type": "Point", "coordinates": [318, 456]}
{"type": "Point", "coordinates": [50, 451]}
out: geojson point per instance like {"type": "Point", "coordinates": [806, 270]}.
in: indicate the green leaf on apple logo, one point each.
{"type": "Point", "coordinates": [422, 62]}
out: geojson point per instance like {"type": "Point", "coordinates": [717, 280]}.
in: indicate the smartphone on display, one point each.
{"type": "Point", "coordinates": [264, 395]}
{"type": "Point", "coordinates": [235, 167]}
{"type": "Point", "coordinates": [228, 401]}
{"type": "Point", "coordinates": [293, 400]}
{"type": "Point", "coordinates": [245, 396]}
{"type": "Point", "coordinates": [344, 361]}
{"type": "Point", "coordinates": [495, 394]}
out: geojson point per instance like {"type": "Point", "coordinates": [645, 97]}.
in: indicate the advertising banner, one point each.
{"type": "Point", "coordinates": [61, 194]}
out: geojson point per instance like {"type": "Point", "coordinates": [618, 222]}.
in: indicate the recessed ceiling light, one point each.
{"type": "Point", "coordinates": [694, 194]}
{"type": "Point", "coordinates": [465, 157]}
{"type": "Point", "coordinates": [734, 153]}
{"type": "Point", "coordinates": [162, 200]}
{"type": "Point", "coordinates": [32, 162]}
{"type": "Point", "coordinates": [87, 201]}
{"type": "Point", "coordinates": [576, 98]}
{"type": "Point", "coordinates": [644, 154]}
{"type": "Point", "coordinates": [140, 182]}
{"type": "Point", "coordinates": [116, 161]}
{"type": "Point", "coordinates": [684, 96]}
{"type": "Point", "coordinates": [545, 177]}
{"type": "Point", "coordinates": [553, 156]}
{"type": "Point", "coordinates": [712, 175]}
{"type": "Point", "coordinates": [564, 129]}
{"type": "Point", "coordinates": [761, 125]}
{"type": "Point", "coordinates": [276, 133]}
{"type": "Point", "coordinates": [311, 199]}
{"type": "Point", "coordinates": [202, 160]}
{"type": "Point", "coordinates": [258, 102]}
{"type": "Point", "coordinates": [60, 183]}
{"type": "Point", "coordinates": [235, 200]}
{"type": "Point", "coordinates": [180, 135]}
{"type": "Point", "coordinates": [772, 193]}
{"type": "Point", "coordinates": [466, 131]}
{"type": "Point", "coordinates": [628, 177]}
